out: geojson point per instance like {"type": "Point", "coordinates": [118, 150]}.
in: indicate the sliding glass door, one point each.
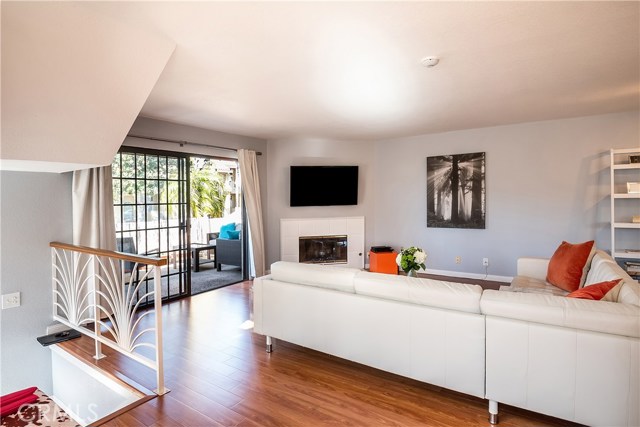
{"type": "Point", "coordinates": [151, 204]}
{"type": "Point", "coordinates": [217, 223]}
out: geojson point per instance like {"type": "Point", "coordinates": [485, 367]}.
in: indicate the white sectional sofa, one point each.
{"type": "Point", "coordinates": [423, 329]}
{"type": "Point", "coordinates": [570, 358]}
{"type": "Point", "coordinates": [573, 359]}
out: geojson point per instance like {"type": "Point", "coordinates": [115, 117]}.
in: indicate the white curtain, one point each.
{"type": "Point", "coordinates": [251, 190]}
{"type": "Point", "coordinates": [93, 220]}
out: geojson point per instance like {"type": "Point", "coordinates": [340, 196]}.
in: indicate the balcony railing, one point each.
{"type": "Point", "coordinates": [98, 293]}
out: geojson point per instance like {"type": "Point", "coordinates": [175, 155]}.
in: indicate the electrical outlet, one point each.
{"type": "Point", "coordinates": [458, 259]}
{"type": "Point", "coordinates": [485, 262]}
{"type": "Point", "coordinates": [11, 300]}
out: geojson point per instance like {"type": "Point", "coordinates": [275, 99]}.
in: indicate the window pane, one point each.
{"type": "Point", "coordinates": [128, 191]}
{"type": "Point", "coordinates": [172, 194]}
{"type": "Point", "coordinates": [126, 243]}
{"type": "Point", "coordinates": [152, 216]}
{"type": "Point", "coordinates": [152, 167]}
{"type": "Point", "coordinates": [142, 220]}
{"type": "Point", "coordinates": [129, 214]}
{"type": "Point", "coordinates": [163, 216]}
{"type": "Point", "coordinates": [152, 191]}
{"type": "Point", "coordinates": [164, 240]}
{"type": "Point", "coordinates": [173, 215]}
{"type": "Point", "coordinates": [140, 169]}
{"type": "Point", "coordinates": [117, 185]}
{"type": "Point", "coordinates": [162, 191]}
{"type": "Point", "coordinates": [115, 166]}
{"type": "Point", "coordinates": [162, 167]}
{"type": "Point", "coordinates": [173, 168]}
{"type": "Point", "coordinates": [141, 241]}
{"type": "Point", "coordinates": [153, 244]}
{"type": "Point", "coordinates": [128, 165]}
{"type": "Point", "coordinates": [174, 241]}
{"type": "Point", "coordinates": [116, 215]}
{"type": "Point", "coordinates": [140, 190]}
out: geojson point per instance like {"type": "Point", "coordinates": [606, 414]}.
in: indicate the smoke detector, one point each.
{"type": "Point", "coordinates": [430, 61]}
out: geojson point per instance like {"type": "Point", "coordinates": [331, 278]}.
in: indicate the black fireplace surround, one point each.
{"type": "Point", "coordinates": [322, 249]}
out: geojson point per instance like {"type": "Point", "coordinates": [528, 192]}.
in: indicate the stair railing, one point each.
{"type": "Point", "coordinates": [98, 293]}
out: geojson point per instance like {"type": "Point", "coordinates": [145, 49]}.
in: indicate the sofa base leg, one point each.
{"type": "Point", "coordinates": [493, 412]}
{"type": "Point", "coordinates": [269, 345]}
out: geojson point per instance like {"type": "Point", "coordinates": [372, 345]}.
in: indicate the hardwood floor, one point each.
{"type": "Point", "coordinates": [220, 375]}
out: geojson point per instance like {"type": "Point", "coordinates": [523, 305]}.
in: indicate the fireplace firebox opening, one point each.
{"type": "Point", "coordinates": [323, 249]}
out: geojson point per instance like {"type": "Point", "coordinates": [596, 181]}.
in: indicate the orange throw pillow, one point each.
{"type": "Point", "coordinates": [599, 291]}
{"type": "Point", "coordinates": [569, 265]}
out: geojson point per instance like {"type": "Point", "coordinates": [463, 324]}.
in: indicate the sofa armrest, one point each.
{"type": "Point", "coordinates": [597, 316]}
{"type": "Point", "coordinates": [533, 267]}
{"type": "Point", "coordinates": [257, 288]}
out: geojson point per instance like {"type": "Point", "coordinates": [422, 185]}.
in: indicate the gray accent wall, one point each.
{"type": "Point", "coordinates": [545, 181]}
{"type": "Point", "coordinates": [35, 209]}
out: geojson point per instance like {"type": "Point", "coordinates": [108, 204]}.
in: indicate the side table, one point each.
{"type": "Point", "coordinates": [196, 248]}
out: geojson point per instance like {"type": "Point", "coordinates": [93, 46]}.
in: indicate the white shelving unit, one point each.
{"type": "Point", "coordinates": [624, 233]}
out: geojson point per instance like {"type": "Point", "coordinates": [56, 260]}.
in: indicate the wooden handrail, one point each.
{"type": "Point", "coordinates": [111, 254]}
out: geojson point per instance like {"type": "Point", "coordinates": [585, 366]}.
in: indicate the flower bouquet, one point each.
{"type": "Point", "coordinates": [411, 259]}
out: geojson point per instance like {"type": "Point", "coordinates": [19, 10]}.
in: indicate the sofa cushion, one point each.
{"type": "Point", "coordinates": [629, 293]}
{"type": "Point", "coordinates": [233, 234]}
{"type": "Point", "coordinates": [605, 291]}
{"type": "Point", "coordinates": [604, 268]}
{"type": "Point", "coordinates": [225, 229]}
{"type": "Point", "coordinates": [534, 286]}
{"type": "Point", "coordinates": [597, 316]}
{"type": "Point", "coordinates": [434, 293]}
{"type": "Point", "coordinates": [322, 276]}
{"type": "Point", "coordinates": [569, 265]}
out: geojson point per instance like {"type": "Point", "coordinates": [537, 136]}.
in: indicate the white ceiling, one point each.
{"type": "Point", "coordinates": [351, 70]}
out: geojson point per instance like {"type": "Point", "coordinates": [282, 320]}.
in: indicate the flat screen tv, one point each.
{"type": "Point", "coordinates": [324, 185]}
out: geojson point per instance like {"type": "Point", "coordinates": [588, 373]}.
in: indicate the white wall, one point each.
{"type": "Point", "coordinates": [546, 182]}
{"type": "Point", "coordinates": [312, 152]}
{"type": "Point", "coordinates": [35, 209]}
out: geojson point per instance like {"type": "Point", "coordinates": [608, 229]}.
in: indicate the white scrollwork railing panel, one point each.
{"type": "Point", "coordinates": [119, 301]}
{"type": "Point", "coordinates": [72, 274]}
{"type": "Point", "coordinates": [104, 289]}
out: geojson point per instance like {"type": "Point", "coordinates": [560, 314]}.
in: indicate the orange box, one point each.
{"type": "Point", "coordinates": [383, 262]}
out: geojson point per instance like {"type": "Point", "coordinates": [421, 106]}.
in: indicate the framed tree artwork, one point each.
{"type": "Point", "coordinates": [456, 192]}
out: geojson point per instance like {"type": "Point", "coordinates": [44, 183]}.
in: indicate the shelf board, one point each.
{"type": "Point", "coordinates": [627, 196]}
{"type": "Point", "coordinates": [626, 224]}
{"type": "Point", "coordinates": [625, 151]}
{"type": "Point", "coordinates": [627, 255]}
{"type": "Point", "coordinates": [627, 166]}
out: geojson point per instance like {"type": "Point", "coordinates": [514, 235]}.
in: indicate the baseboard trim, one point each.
{"type": "Point", "coordinates": [491, 277]}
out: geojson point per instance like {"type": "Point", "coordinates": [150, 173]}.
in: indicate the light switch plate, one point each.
{"type": "Point", "coordinates": [11, 300]}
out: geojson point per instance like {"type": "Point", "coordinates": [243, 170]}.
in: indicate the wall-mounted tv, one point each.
{"type": "Point", "coordinates": [324, 185]}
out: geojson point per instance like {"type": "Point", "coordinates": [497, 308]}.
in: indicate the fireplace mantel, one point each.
{"type": "Point", "coordinates": [291, 229]}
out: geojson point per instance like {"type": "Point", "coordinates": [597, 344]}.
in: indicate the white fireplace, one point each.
{"type": "Point", "coordinates": [293, 229]}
